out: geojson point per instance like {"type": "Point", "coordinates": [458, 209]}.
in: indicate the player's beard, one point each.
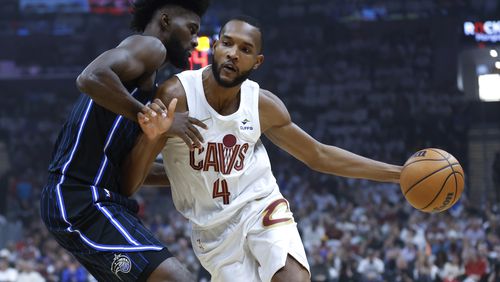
{"type": "Point", "coordinates": [228, 84]}
{"type": "Point", "coordinates": [178, 56]}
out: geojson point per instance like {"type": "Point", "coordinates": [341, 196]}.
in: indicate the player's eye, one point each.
{"type": "Point", "coordinates": [193, 28]}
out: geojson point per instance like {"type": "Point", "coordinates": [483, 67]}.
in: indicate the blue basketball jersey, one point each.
{"type": "Point", "coordinates": [94, 142]}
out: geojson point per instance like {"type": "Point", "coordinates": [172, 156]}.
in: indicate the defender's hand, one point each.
{"type": "Point", "coordinates": [184, 127]}
{"type": "Point", "coordinates": [155, 120]}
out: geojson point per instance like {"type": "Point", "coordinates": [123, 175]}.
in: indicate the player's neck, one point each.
{"type": "Point", "coordinates": [220, 97]}
{"type": "Point", "coordinates": [152, 30]}
{"type": "Point", "coordinates": [211, 87]}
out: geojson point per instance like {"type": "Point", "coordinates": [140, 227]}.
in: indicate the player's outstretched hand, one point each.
{"type": "Point", "coordinates": [184, 127]}
{"type": "Point", "coordinates": [155, 119]}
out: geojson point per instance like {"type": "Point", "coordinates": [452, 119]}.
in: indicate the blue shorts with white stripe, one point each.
{"type": "Point", "coordinates": [101, 229]}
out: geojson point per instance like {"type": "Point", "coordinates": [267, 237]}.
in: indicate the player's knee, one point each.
{"type": "Point", "coordinates": [293, 271]}
{"type": "Point", "coordinates": [291, 275]}
{"type": "Point", "coordinates": [171, 270]}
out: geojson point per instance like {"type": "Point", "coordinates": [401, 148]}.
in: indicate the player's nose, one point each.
{"type": "Point", "coordinates": [194, 41]}
{"type": "Point", "coordinates": [232, 54]}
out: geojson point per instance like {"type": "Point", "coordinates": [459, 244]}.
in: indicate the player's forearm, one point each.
{"type": "Point", "coordinates": [156, 176]}
{"type": "Point", "coordinates": [138, 163]}
{"type": "Point", "coordinates": [106, 89]}
{"type": "Point", "coordinates": [340, 162]}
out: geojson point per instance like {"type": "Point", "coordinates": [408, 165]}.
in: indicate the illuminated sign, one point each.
{"type": "Point", "coordinates": [203, 44]}
{"type": "Point", "coordinates": [487, 31]}
{"type": "Point", "coordinates": [199, 57]}
{"type": "Point", "coordinates": [113, 7]}
{"type": "Point", "coordinates": [488, 87]}
{"type": "Point", "coordinates": [53, 6]}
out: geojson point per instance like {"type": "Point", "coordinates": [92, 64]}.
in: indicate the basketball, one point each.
{"type": "Point", "coordinates": [432, 180]}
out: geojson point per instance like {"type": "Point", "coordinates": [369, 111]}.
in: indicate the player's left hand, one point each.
{"type": "Point", "coordinates": [184, 127]}
{"type": "Point", "coordinates": [155, 120]}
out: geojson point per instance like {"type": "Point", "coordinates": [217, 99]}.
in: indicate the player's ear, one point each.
{"type": "Point", "coordinates": [216, 42]}
{"type": "Point", "coordinates": [165, 21]}
{"type": "Point", "coordinates": [260, 61]}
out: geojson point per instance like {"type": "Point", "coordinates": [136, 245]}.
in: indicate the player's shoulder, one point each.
{"type": "Point", "coordinates": [144, 44]}
{"type": "Point", "coordinates": [269, 100]}
{"type": "Point", "coordinates": [143, 40]}
{"type": "Point", "coordinates": [172, 88]}
{"type": "Point", "coordinates": [272, 110]}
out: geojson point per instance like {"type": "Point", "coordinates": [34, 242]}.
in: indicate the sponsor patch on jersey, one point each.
{"type": "Point", "coordinates": [246, 125]}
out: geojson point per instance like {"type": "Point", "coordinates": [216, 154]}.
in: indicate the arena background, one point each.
{"type": "Point", "coordinates": [382, 78]}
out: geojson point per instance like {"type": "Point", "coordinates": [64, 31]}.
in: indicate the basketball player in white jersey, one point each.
{"type": "Point", "coordinates": [243, 229]}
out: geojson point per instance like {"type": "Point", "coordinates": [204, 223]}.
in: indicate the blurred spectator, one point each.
{"type": "Point", "coordinates": [27, 272]}
{"type": "Point", "coordinates": [4, 172]}
{"type": "Point", "coordinates": [475, 233]}
{"type": "Point", "coordinates": [348, 271]}
{"type": "Point", "coordinates": [74, 273]}
{"type": "Point", "coordinates": [495, 274]}
{"type": "Point", "coordinates": [7, 273]}
{"type": "Point", "coordinates": [404, 270]}
{"type": "Point", "coordinates": [475, 265]}
{"type": "Point", "coordinates": [425, 270]}
{"type": "Point", "coordinates": [451, 269]}
{"type": "Point", "coordinates": [319, 269]}
{"type": "Point", "coordinates": [496, 176]}
{"type": "Point", "coordinates": [371, 267]}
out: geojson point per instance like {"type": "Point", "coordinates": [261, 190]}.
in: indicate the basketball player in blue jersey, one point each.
{"type": "Point", "coordinates": [83, 204]}
{"type": "Point", "coordinates": [242, 227]}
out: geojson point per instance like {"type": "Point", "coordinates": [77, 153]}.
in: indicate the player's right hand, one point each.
{"type": "Point", "coordinates": [155, 120]}
{"type": "Point", "coordinates": [184, 127]}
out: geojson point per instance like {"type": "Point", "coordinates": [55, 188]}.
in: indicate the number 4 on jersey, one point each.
{"type": "Point", "coordinates": [223, 192]}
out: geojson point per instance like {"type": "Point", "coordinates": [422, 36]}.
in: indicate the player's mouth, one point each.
{"type": "Point", "coordinates": [230, 67]}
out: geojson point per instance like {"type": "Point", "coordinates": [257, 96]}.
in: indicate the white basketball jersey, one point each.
{"type": "Point", "coordinates": [211, 184]}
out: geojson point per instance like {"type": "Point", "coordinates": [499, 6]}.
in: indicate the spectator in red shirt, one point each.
{"type": "Point", "coordinates": [475, 265]}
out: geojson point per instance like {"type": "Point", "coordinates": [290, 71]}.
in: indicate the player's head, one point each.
{"type": "Point", "coordinates": [175, 22]}
{"type": "Point", "coordinates": [238, 51]}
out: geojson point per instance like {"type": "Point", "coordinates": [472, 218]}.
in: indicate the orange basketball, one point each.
{"type": "Point", "coordinates": [432, 180]}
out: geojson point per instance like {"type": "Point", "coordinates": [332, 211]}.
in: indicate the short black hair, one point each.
{"type": "Point", "coordinates": [249, 20]}
{"type": "Point", "coordinates": [144, 10]}
{"type": "Point", "coordinates": [244, 18]}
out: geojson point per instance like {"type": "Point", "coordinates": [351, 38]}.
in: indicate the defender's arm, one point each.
{"type": "Point", "coordinates": [103, 79]}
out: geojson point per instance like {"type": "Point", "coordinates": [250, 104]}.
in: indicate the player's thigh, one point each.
{"type": "Point", "coordinates": [273, 238]}
{"type": "Point", "coordinates": [273, 249]}
{"type": "Point", "coordinates": [123, 266]}
{"type": "Point", "coordinates": [171, 269]}
{"type": "Point", "coordinates": [222, 251]}
{"type": "Point", "coordinates": [293, 271]}
{"type": "Point", "coordinates": [113, 245]}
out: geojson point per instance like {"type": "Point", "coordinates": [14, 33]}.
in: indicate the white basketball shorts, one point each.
{"type": "Point", "coordinates": [253, 245]}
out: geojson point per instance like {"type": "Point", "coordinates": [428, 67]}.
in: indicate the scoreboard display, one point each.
{"type": "Point", "coordinates": [201, 56]}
